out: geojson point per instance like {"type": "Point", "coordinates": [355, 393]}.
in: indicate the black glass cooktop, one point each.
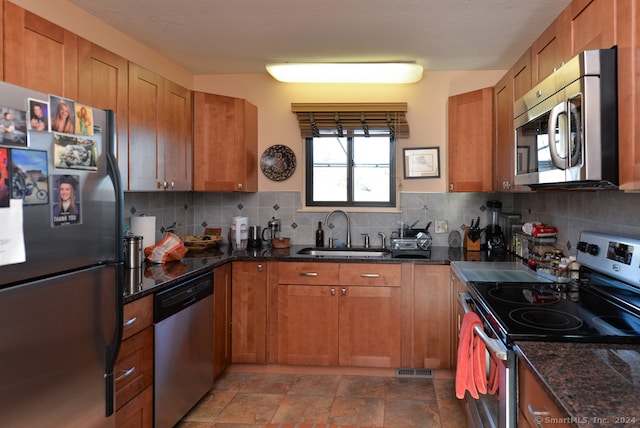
{"type": "Point", "coordinates": [537, 311]}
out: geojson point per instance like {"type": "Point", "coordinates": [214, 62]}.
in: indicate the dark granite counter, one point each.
{"type": "Point", "coordinates": [153, 278]}
{"type": "Point", "coordinates": [595, 384]}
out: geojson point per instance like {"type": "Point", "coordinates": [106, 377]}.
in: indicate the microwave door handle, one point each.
{"type": "Point", "coordinates": [556, 111]}
{"type": "Point", "coordinates": [574, 117]}
{"type": "Point", "coordinates": [496, 347]}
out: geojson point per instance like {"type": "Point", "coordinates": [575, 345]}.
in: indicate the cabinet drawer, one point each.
{"type": "Point", "coordinates": [134, 366]}
{"type": "Point", "coordinates": [370, 274]}
{"type": "Point", "coordinates": [534, 401]}
{"type": "Point", "coordinates": [308, 273]}
{"type": "Point", "coordinates": [137, 413]}
{"type": "Point", "coordinates": [138, 315]}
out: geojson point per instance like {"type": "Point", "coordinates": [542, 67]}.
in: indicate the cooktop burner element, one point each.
{"type": "Point", "coordinates": [534, 294]}
{"type": "Point", "coordinates": [546, 319]}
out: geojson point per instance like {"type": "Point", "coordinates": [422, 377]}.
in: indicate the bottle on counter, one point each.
{"type": "Point", "coordinates": [319, 236]}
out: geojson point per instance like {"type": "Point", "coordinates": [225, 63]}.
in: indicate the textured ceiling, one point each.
{"type": "Point", "coordinates": [242, 36]}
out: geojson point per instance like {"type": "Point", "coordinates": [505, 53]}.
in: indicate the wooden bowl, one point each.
{"type": "Point", "coordinates": [281, 242]}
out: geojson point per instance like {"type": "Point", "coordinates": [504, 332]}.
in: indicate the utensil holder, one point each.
{"type": "Point", "coordinates": [470, 245]}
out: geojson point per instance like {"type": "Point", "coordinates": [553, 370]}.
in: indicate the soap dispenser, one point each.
{"type": "Point", "coordinates": [319, 236]}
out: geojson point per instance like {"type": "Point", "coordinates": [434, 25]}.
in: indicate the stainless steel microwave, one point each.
{"type": "Point", "coordinates": [566, 128]}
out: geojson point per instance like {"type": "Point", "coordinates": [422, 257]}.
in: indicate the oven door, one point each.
{"type": "Point", "coordinates": [497, 410]}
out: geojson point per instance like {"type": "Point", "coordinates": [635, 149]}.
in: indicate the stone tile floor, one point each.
{"type": "Point", "coordinates": [253, 397]}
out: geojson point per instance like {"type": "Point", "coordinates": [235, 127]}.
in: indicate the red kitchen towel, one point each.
{"type": "Point", "coordinates": [468, 351]}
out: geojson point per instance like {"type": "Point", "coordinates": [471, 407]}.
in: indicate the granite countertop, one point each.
{"type": "Point", "coordinates": [595, 384]}
{"type": "Point", "coordinates": [153, 278]}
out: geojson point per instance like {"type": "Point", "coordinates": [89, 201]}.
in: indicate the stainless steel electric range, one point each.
{"type": "Point", "coordinates": [601, 305]}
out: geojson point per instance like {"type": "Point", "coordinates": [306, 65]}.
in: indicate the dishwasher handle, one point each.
{"type": "Point", "coordinates": [173, 300]}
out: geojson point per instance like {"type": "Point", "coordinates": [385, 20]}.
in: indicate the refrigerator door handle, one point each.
{"type": "Point", "coordinates": [114, 347]}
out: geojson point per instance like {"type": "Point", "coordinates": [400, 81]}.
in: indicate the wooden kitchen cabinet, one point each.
{"type": "Point", "coordinates": [339, 314]}
{"type": "Point", "coordinates": [534, 402]}
{"type": "Point", "coordinates": [550, 49]}
{"type": "Point", "coordinates": [221, 319]}
{"type": "Point", "coordinates": [519, 76]}
{"type": "Point", "coordinates": [249, 312]}
{"type": "Point", "coordinates": [160, 136]}
{"type": "Point", "coordinates": [628, 37]}
{"type": "Point", "coordinates": [504, 168]}
{"type": "Point", "coordinates": [470, 129]}
{"type": "Point", "coordinates": [134, 367]}
{"type": "Point", "coordinates": [591, 24]}
{"type": "Point", "coordinates": [457, 287]}
{"type": "Point", "coordinates": [432, 317]}
{"type": "Point", "coordinates": [38, 54]}
{"type": "Point", "coordinates": [102, 83]}
{"type": "Point", "coordinates": [225, 144]}
{"type": "Point", "coordinates": [137, 413]}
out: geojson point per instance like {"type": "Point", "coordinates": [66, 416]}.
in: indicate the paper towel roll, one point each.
{"type": "Point", "coordinates": [144, 226]}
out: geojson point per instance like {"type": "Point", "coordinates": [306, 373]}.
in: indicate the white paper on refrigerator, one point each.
{"type": "Point", "coordinates": [11, 234]}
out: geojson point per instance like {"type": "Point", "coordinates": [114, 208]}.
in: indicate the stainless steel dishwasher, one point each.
{"type": "Point", "coordinates": [183, 357]}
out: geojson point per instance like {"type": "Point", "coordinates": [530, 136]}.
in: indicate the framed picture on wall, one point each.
{"type": "Point", "coordinates": [421, 162]}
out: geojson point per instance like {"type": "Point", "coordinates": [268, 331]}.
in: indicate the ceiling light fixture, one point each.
{"type": "Point", "coordinates": [375, 72]}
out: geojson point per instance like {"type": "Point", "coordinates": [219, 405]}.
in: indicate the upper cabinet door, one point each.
{"type": "Point", "coordinates": [146, 145]}
{"type": "Point", "coordinates": [470, 128]}
{"type": "Point", "coordinates": [550, 49]}
{"type": "Point", "coordinates": [225, 144]}
{"type": "Point", "coordinates": [102, 83]}
{"type": "Point", "coordinates": [592, 24]}
{"type": "Point", "coordinates": [178, 136]}
{"type": "Point", "coordinates": [38, 54]}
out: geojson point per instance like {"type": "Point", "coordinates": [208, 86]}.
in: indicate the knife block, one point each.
{"type": "Point", "coordinates": [470, 245]}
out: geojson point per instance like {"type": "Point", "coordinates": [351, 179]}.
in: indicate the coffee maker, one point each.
{"type": "Point", "coordinates": [273, 227]}
{"type": "Point", "coordinates": [493, 231]}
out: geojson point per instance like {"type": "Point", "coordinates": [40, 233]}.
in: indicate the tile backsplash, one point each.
{"type": "Point", "coordinates": [571, 212]}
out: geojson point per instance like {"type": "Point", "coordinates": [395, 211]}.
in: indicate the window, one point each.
{"type": "Point", "coordinates": [350, 152]}
{"type": "Point", "coordinates": [353, 171]}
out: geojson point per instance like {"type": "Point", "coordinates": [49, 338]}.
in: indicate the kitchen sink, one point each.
{"type": "Point", "coordinates": [345, 252]}
{"type": "Point", "coordinates": [417, 254]}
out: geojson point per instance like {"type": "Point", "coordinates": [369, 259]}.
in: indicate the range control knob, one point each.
{"type": "Point", "coordinates": [593, 249]}
{"type": "Point", "coordinates": [582, 246]}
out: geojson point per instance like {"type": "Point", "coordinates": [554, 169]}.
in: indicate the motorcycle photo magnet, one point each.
{"type": "Point", "coordinates": [29, 176]}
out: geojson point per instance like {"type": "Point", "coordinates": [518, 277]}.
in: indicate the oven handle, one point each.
{"type": "Point", "coordinates": [495, 346]}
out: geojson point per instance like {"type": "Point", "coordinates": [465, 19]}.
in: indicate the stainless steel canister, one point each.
{"type": "Point", "coordinates": [133, 257]}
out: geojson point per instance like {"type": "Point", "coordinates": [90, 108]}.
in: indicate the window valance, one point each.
{"type": "Point", "coordinates": [343, 119]}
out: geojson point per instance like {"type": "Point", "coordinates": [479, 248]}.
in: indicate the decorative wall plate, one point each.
{"type": "Point", "coordinates": [278, 162]}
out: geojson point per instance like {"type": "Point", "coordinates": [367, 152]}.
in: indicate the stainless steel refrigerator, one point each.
{"type": "Point", "coordinates": [60, 308]}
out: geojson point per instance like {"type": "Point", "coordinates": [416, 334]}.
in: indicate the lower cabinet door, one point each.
{"type": "Point", "coordinates": [370, 326]}
{"type": "Point", "coordinates": [137, 413]}
{"type": "Point", "coordinates": [308, 325]}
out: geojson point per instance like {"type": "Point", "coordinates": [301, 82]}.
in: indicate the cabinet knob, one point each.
{"type": "Point", "coordinates": [172, 184]}
{"type": "Point", "coordinates": [239, 186]}
{"type": "Point", "coordinates": [344, 291]}
{"type": "Point", "coordinates": [333, 291]}
{"type": "Point", "coordinates": [260, 267]}
{"type": "Point", "coordinates": [450, 186]}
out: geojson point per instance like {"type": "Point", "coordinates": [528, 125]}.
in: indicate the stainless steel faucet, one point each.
{"type": "Point", "coordinates": [328, 217]}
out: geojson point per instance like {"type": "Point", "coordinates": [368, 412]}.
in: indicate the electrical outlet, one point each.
{"type": "Point", "coordinates": [442, 226]}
